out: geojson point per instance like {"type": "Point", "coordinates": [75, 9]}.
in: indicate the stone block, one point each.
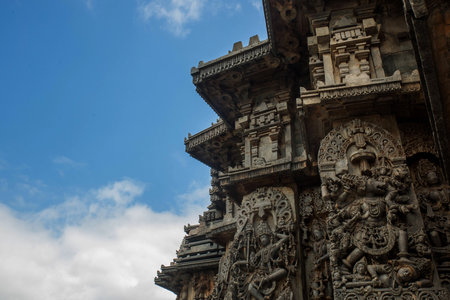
{"type": "Point", "coordinates": [323, 35]}
{"type": "Point", "coordinates": [253, 40]}
{"type": "Point", "coordinates": [370, 26]}
{"type": "Point", "coordinates": [312, 45]}
{"type": "Point", "coordinates": [237, 46]}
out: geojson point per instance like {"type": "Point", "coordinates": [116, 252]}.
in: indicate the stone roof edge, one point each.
{"type": "Point", "coordinates": [230, 60]}
{"type": "Point", "coordinates": [223, 63]}
{"type": "Point", "coordinates": [214, 130]}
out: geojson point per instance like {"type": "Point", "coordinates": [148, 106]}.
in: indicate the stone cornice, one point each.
{"type": "Point", "coordinates": [229, 61]}
{"type": "Point", "coordinates": [205, 135]}
{"type": "Point", "coordinates": [334, 93]}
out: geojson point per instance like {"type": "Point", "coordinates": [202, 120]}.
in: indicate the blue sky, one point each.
{"type": "Point", "coordinates": [97, 99]}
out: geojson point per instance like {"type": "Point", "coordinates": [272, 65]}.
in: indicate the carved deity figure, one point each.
{"type": "Point", "coordinates": [371, 240]}
{"type": "Point", "coordinates": [434, 200]}
{"type": "Point", "coordinates": [262, 257]}
{"type": "Point", "coordinates": [312, 210]}
{"type": "Point", "coordinates": [367, 226]}
{"type": "Point", "coordinates": [266, 262]}
{"type": "Point", "coordinates": [319, 284]}
{"type": "Point", "coordinates": [360, 273]}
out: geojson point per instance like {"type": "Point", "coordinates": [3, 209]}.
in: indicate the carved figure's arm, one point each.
{"type": "Point", "coordinates": [277, 246]}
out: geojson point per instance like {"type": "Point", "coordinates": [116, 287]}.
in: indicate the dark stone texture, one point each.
{"type": "Point", "coordinates": [330, 160]}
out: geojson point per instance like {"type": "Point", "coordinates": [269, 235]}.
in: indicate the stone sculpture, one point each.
{"type": "Point", "coordinates": [262, 257]}
{"type": "Point", "coordinates": [329, 161]}
{"type": "Point", "coordinates": [374, 232]}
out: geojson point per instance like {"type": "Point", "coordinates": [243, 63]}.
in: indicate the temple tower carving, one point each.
{"type": "Point", "coordinates": [329, 160]}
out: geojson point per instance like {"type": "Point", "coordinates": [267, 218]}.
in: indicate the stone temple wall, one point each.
{"type": "Point", "coordinates": [329, 176]}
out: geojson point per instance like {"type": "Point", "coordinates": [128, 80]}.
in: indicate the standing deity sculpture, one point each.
{"type": "Point", "coordinates": [434, 198]}
{"type": "Point", "coordinates": [262, 257]}
{"type": "Point", "coordinates": [313, 210]}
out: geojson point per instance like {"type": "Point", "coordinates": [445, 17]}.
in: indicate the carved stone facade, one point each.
{"type": "Point", "coordinates": [262, 258]}
{"type": "Point", "coordinates": [329, 161]}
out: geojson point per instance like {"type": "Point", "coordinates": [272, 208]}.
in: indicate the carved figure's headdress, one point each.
{"type": "Point", "coordinates": [426, 166]}
{"type": "Point", "coordinates": [262, 228]}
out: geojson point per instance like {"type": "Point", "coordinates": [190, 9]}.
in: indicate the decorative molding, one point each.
{"type": "Point", "coordinates": [400, 294]}
{"type": "Point", "coordinates": [358, 91]}
{"type": "Point", "coordinates": [229, 61]}
{"type": "Point", "coordinates": [205, 135]}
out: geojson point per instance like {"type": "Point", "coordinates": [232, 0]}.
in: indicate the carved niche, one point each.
{"type": "Point", "coordinates": [264, 132]}
{"type": "Point", "coordinates": [434, 198]}
{"type": "Point", "coordinates": [313, 211]}
{"type": "Point", "coordinates": [345, 51]}
{"type": "Point", "coordinates": [432, 194]}
{"type": "Point", "coordinates": [377, 247]}
{"type": "Point", "coordinates": [261, 260]}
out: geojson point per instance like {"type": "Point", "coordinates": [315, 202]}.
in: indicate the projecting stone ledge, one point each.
{"type": "Point", "coordinates": [330, 94]}
{"type": "Point", "coordinates": [206, 135]}
{"type": "Point", "coordinates": [238, 56]}
{"type": "Point", "coordinates": [214, 146]}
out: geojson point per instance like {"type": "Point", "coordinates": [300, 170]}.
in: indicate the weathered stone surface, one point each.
{"type": "Point", "coordinates": [330, 164]}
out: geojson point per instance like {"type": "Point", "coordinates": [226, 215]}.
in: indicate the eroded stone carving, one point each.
{"type": "Point", "coordinates": [262, 257]}
{"type": "Point", "coordinates": [341, 52]}
{"type": "Point", "coordinates": [313, 210]}
{"type": "Point", "coordinates": [375, 233]}
{"type": "Point", "coordinates": [264, 131]}
{"type": "Point", "coordinates": [435, 207]}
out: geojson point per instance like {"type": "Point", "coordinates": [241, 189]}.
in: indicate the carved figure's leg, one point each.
{"type": "Point", "coordinates": [254, 292]}
{"type": "Point", "coordinates": [353, 257]}
{"type": "Point", "coordinates": [276, 275]}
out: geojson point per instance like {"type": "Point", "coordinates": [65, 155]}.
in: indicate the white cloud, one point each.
{"type": "Point", "coordinates": [195, 199]}
{"type": "Point", "coordinates": [257, 4]}
{"type": "Point", "coordinates": [176, 13]}
{"type": "Point", "coordinates": [89, 4]}
{"type": "Point", "coordinates": [91, 246]}
{"type": "Point", "coordinates": [122, 192]}
{"type": "Point", "coordinates": [64, 160]}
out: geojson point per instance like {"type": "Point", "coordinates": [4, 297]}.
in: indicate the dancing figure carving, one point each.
{"type": "Point", "coordinates": [375, 228]}
{"type": "Point", "coordinates": [262, 257]}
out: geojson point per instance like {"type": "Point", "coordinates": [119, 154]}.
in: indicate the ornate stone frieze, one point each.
{"type": "Point", "coordinates": [345, 60]}
{"type": "Point", "coordinates": [231, 60]}
{"type": "Point", "coordinates": [341, 93]}
{"type": "Point", "coordinates": [261, 259]}
{"type": "Point", "coordinates": [393, 294]}
{"type": "Point", "coordinates": [215, 130]}
{"type": "Point", "coordinates": [376, 235]}
{"type": "Point", "coordinates": [264, 132]}
{"type": "Point", "coordinates": [338, 92]}
{"type": "Point", "coordinates": [345, 50]}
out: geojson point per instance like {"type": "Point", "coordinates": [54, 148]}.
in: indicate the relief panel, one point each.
{"type": "Point", "coordinates": [261, 261]}
{"type": "Point", "coordinates": [266, 133]}
{"type": "Point", "coordinates": [377, 245]}
{"type": "Point", "coordinates": [432, 193]}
